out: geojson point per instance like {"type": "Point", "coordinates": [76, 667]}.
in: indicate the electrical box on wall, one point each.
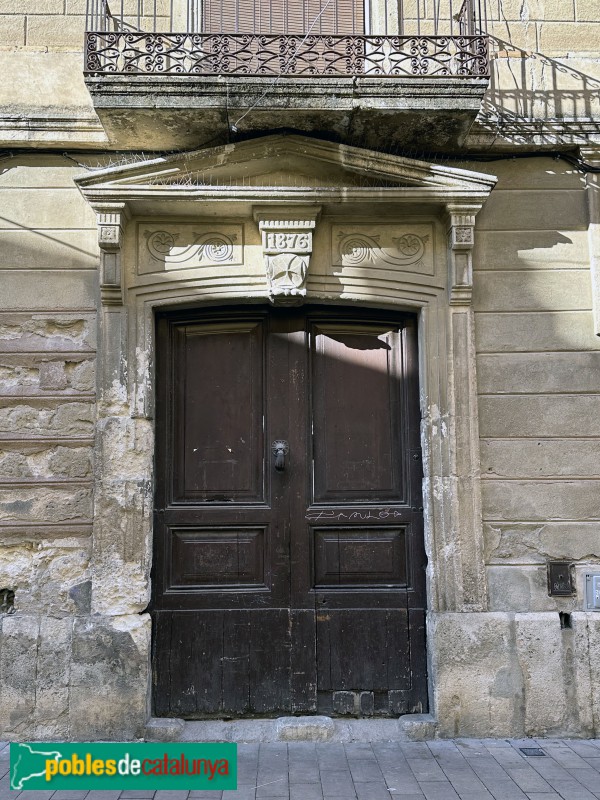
{"type": "Point", "coordinates": [592, 592]}
{"type": "Point", "coordinates": [559, 579]}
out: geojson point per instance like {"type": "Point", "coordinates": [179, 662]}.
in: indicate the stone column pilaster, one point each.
{"type": "Point", "coordinates": [464, 588]}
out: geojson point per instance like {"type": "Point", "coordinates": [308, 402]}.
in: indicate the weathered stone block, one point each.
{"type": "Point", "coordinates": [521, 332]}
{"type": "Point", "coordinates": [520, 589]}
{"type": "Point", "coordinates": [46, 418]}
{"type": "Point", "coordinates": [18, 664]}
{"type": "Point", "coordinates": [42, 572]}
{"type": "Point", "coordinates": [523, 250]}
{"type": "Point", "coordinates": [33, 7]}
{"type": "Point", "coordinates": [562, 38]}
{"type": "Point", "coordinates": [12, 30]}
{"type": "Point", "coordinates": [53, 672]}
{"type": "Point", "coordinates": [64, 291]}
{"type": "Point", "coordinates": [477, 681]}
{"type": "Point", "coordinates": [32, 333]}
{"type": "Point", "coordinates": [55, 31]}
{"type": "Point", "coordinates": [52, 375]}
{"type": "Point", "coordinates": [533, 210]}
{"type": "Point", "coordinates": [540, 458]}
{"type": "Point", "coordinates": [518, 35]}
{"type": "Point", "coordinates": [587, 10]}
{"type": "Point", "coordinates": [547, 655]}
{"type": "Point", "coordinates": [46, 83]}
{"type": "Point", "coordinates": [591, 623]}
{"type": "Point", "coordinates": [554, 415]}
{"type": "Point", "coordinates": [47, 504]}
{"type": "Point", "coordinates": [304, 729]}
{"type": "Point", "coordinates": [528, 500]}
{"type": "Point", "coordinates": [62, 250]}
{"type": "Point", "coordinates": [127, 447]}
{"type": "Point", "coordinates": [34, 374]}
{"type": "Point", "coordinates": [531, 542]}
{"type": "Point", "coordinates": [163, 729]}
{"type": "Point", "coordinates": [533, 291]}
{"type": "Point", "coordinates": [39, 461]}
{"type": "Point", "coordinates": [43, 209]}
{"type": "Point", "coordinates": [534, 10]}
{"type": "Point", "coordinates": [109, 677]}
{"type": "Point", "coordinates": [514, 373]}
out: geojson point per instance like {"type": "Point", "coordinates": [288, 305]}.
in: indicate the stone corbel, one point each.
{"type": "Point", "coordinates": [111, 218]}
{"type": "Point", "coordinates": [461, 238]}
{"type": "Point", "coordinates": [287, 241]}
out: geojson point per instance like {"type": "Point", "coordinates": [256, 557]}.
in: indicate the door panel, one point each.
{"type": "Point", "coordinates": [297, 589]}
{"type": "Point", "coordinates": [357, 450]}
{"type": "Point", "coordinates": [217, 461]}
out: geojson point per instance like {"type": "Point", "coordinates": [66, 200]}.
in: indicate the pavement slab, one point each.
{"type": "Point", "coordinates": [459, 769]}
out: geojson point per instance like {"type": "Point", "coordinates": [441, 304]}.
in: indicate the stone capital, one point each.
{"type": "Point", "coordinates": [461, 238]}
{"type": "Point", "coordinates": [111, 219]}
{"type": "Point", "coordinates": [287, 242]}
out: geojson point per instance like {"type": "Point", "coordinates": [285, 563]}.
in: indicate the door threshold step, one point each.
{"type": "Point", "coordinates": [410, 727]}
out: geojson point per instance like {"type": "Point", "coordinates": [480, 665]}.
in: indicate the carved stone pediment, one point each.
{"type": "Point", "coordinates": [287, 241]}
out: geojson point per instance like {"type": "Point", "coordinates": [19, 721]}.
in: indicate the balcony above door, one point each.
{"type": "Point", "coordinates": [381, 74]}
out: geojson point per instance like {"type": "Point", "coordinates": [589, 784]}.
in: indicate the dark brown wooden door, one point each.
{"type": "Point", "coordinates": [298, 589]}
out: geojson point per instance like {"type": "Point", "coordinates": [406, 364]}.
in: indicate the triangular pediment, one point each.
{"type": "Point", "coordinates": [291, 164]}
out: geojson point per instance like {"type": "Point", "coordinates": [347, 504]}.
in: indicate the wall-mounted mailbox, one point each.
{"type": "Point", "coordinates": [592, 592]}
{"type": "Point", "coordinates": [559, 579]}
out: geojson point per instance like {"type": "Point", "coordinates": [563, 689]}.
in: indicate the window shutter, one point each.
{"type": "Point", "coordinates": [278, 16]}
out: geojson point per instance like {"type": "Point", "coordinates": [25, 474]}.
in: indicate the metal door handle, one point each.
{"type": "Point", "coordinates": [280, 449]}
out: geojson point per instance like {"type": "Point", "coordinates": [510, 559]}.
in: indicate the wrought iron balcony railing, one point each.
{"type": "Point", "coordinates": [291, 38]}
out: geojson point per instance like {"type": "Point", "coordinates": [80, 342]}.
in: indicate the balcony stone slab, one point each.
{"type": "Point", "coordinates": [163, 112]}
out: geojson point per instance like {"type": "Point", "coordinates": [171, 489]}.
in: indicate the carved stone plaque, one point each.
{"type": "Point", "coordinates": [287, 240]}
{"type": "Point", "coordinates": [189, 246]}
{"type": "Point", "coordinates": [408, 248]}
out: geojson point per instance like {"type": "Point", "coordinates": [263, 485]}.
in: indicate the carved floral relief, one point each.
{"type": "Point", "coordinates": [406, 248]}
{"type": "Point", "coordinates": [188, 246]}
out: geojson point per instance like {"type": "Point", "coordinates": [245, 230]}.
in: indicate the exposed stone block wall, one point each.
{"type": "Point", "coordinates": [53, 652]}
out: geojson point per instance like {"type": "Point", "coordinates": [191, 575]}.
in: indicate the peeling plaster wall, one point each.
{"type": "Point", "coordinates": [65, 672]}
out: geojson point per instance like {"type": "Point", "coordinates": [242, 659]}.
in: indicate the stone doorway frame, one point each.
{"type": "Point", "coordinates": [446, 197]}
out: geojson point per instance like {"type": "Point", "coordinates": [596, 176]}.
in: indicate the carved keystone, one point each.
{"type": "Point", "coordinates": [111, 219]}
{"type": "Point", "coordinates": [287, 240]}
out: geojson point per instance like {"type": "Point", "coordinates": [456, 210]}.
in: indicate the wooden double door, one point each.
{"type": "Point", "coordinates": [289, 563]}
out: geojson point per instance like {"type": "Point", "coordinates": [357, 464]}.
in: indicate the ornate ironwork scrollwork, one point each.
{"type": "Point", "coordinates": [292, 55]}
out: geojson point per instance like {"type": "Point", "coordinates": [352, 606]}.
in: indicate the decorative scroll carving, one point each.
{"type": "Point", "coordinates": [287, 247]}
{"type": "Point", "coordinates": [111, 219]}
{"type": "Point", "coordinates": [186, 246]}
{"type": "Point", "coordinates": [127, 52]}
{"type": "Point", "coordinates": [206, 247]}
{"type": "Point", "coordinates": [461, 237]}
{"type": "Point", "coordinates": [355, 249]}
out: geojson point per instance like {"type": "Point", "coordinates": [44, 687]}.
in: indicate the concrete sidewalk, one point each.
{"type": "Point", "coordinates": [469, 769]}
